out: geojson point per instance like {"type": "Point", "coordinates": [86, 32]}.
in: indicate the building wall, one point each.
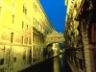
{"type": "Point", "coordinates": [41, 27]}
{"type": "Point", "coordinates": [75, 40]}
{"type": "Point", "coordinates": [23, 24]}
{"type": "Point", "coordinates": [80, 33]}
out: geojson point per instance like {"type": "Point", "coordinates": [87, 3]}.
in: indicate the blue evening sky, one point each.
{"type": "Point", "coordinates": [56, 12]}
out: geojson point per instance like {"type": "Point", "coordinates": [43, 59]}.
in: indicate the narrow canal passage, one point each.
{"type": "Point", "coordinates": [56, 64]}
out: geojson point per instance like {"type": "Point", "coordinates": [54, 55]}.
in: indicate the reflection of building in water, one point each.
{"type": "Point", "coordinates": [23, 27]}
{"type": "Point", "coordinates": [80, 34]}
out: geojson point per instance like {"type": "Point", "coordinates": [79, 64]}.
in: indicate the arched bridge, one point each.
{"type": "Point", "coordinates": [55, 37]}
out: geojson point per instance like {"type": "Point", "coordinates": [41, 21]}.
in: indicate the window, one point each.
{"type": "Point", "coordinates": [24, 10]}
{"type": "Point", "coordinates": [2, 61]}
{"type": "Point", "coordinates": [14, 59]}
{"type": "Point", "coordinates": [27, 27]}
{"type": "Point", "coordinates": [13, 18]}
{"type": "Point", "coordinates": [30, 40]}
{"type": "Point", "coordinates": [35, 7]}
{"type": "Point", "coordinates": [47, 32]}
{"type": "Point", "coordinates": [22, 24]}
{"type": "Point", "coordinates": [12, 37]}
{"type": "Point", "coordinates": [0, 9]}
{"type": "Point", "coordinates": [22, 39]}
{"type": "Point", "coordinates": [81, 64]}
{"type": "Point", "coordinates": [26, 40]}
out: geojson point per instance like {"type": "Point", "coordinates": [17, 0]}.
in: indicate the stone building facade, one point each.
{"type": "Point", "coordinates": [80, 34]}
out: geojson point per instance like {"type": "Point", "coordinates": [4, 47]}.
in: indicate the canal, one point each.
{"type": "Point", "coordinates": [56, 64]}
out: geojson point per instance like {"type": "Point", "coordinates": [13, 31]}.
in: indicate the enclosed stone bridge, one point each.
{"type": "Point", "coordinates": [55, 37]}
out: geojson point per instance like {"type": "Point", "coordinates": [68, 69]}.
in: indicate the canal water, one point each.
{"type": "Point", "coordinates": [56, 64]}
{"type": "Point", "coordinates": [60, 64]}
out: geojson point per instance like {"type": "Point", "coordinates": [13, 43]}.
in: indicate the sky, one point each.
{"type": "Point", "coordinates": [56, 12]}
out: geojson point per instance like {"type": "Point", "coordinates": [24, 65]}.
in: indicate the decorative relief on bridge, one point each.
{"type": "Point", "coordinates": [55, 37]}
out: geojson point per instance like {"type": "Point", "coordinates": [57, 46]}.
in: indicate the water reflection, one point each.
{"type": "Point", "coordinates": [60, 64]}
{"type": "Point", "coordinates": [56, 65]}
